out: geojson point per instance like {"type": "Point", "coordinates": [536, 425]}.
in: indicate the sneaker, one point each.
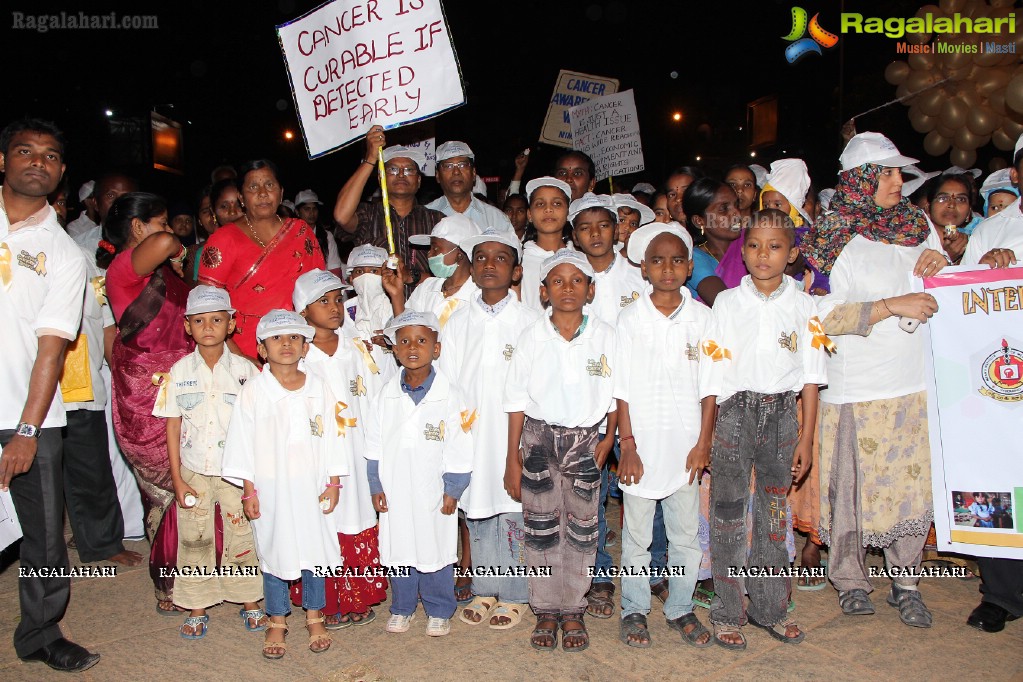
{"type": "Point", "coordinates": [438, 627]}
{"type": "Point", "coordinates": [399, 623]}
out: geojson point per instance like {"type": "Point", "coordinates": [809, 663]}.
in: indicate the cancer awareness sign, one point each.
{"type": "Point", "coordinates": [354, 64]}
{"type": "Point", "coordinates": [572, 89]}
{"type": "Point", "coordinates": [975, 409]}
{"type": "Point", "coordinates": [607, 129]}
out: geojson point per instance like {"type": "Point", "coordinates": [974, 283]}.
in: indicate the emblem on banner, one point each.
{"type": "Point", "coordinates": [1002, 374]}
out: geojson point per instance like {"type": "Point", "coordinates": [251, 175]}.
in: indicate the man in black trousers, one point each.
{"type": "Point", "coordinates": [1002, 587]}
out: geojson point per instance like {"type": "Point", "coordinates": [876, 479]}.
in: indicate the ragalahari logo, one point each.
{"type": "Point", "coordinates": [801, 47]}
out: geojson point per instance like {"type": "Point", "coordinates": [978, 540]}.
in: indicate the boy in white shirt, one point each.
{"type": "Point", "coordinates": [557, 394]}
{"type": "Point", "coordinates": [197, 400]}
{"type": "Point", "coordinates": [419, 448]}
{"type": "Point", "coordinates": [766, 346]}
{"type": "Point", "coordinates": [665, 429]}
{"type": "Point", "coordinates": [479, 343]}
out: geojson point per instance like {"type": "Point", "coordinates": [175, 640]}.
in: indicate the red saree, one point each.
{"type": "Point", "coordinates": [258, 279]}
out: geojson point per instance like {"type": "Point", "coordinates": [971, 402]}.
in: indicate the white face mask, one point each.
{"type": "Point", "coordinates": [368, 286]}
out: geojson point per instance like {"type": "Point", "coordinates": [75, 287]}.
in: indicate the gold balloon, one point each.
{"type": "Point", "coordinates": [918, 38]}
{"type": "Point", "coordinates": [953, 113]}
{"type": "Point", "coordinates": [996, 100]}
{"type": "Point", "coordinates": [919, 61]}
{"type": "Point", "coordinates": [964, 158]}
{"type": "Point", "coordinates": [956, 60]}
{"type": "Point", "coordinates": [944, 130]}
{"type": "Point", "coordinates": [1003, 141]}
{"type": "Point", "coordinates": [969, 95]}
{"type": "Point", "coordinates": [987, 58]}
{"type": "Point", "coordinates": [1002, 3]}
{"type": "Point", "coordinates": [1014, 94]}
{"type": "Point", "coordinates": [896, 72]}
{"type": "Point", "coordinates": [964, 139]}
{"type": "Point", "coordinates": [935, 144]}
{"type": "Point", "coordinates": [930, 101]}
{"type": "Point", "coordinates": [921, 122]}
{"type": "Point", "coordinates": [950, 6]}
{"type": "Point", "coordinates": [997, 164]}
{"type": "Point", "coordinates": [920, 80]}
{"type": "Point", "coordinates": [992, 80]}
{"type": "Point", "coordinates": [902, 91]}
{"type": "Point", "coordinates": [933, 10]}
{"type": "Point", "coordinates": [982, 121]}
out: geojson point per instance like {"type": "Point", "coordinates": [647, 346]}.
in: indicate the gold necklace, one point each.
{"type": "Point", "coordinates": [252, 231]}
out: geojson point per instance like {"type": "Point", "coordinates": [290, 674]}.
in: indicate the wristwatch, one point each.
{"type": "Point", "coordinates": [27, 430]}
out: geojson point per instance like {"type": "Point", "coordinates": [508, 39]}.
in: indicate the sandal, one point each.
{"type": "Point", "coordinates": [703, 597]}
{"type": "Point", "coordinates": [599, 600]}
{"type": "Point", "coordinates": [660, 590]}
{"type": "Point", "coordinates": [317, 638]}
{"type": "Point", "coordinates": [542, 633]}
{"type": "Point", "coordinates": [511, 611]}
{"type": "Point", "coordinates": [463, 593]}
{"type": "Point", "coordinates": [722, 629]}
{"type": "Point", "coordinates": [780, 630]}
{"type": "Point", "coordinates": [480, 606]}
{"type": "Point", "coordinates": [912, 610]}
{"type": "Point", "coordinates": [579, 633]}
{"type": "Point", "coordinates": [268, 647]}
{"type": "Point", "coordinates": [257, 615]}
{"type": "Point", "coordinates": [855, 603]}
{"type": "Point", "coordinates": [809, 583]}
{"type": "Point", "coordinates": [337, 621]}
{"type": "Point", "coordinates": [692, 637]}
{"type": "Point", "coordinates": [194, 622]}
{"type": "Point", "coordinates": [633, 631]}
{"type": "Point", "coordinates": [172, 611]}
{"type": "Point", "coordinates": [364, 618]}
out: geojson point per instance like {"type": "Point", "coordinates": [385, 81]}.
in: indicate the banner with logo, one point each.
{"type": "Point", "coordinates": [354, 64]}
{"type": "Point", "coordinates": [975, 409]}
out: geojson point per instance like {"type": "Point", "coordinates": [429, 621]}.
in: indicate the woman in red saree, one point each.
{"type": "Point", "coordinates": [147, 296]}
{"type": "Point", "coordinates": [258, 257]}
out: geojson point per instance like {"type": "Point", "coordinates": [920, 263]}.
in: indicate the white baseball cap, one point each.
{"type": "Point", "coordinates": [86, 190]}
{"type": "Point", "coordinates": [207, 299]}
{"type": "Point", "coordinates": [547, 181]}
{"type": "Point", "coordinates": [645, 188]}
{"type": "Point", "coordinates": [873, 148]}
{"type": "Point", "coordinates": [365, 256]}
{"type": "Point", "coordinates": [913, 178]}
{"type": "Point", "coordinates": [641, 238]}
{"type": "Point", "coordinates": [307, 196]}
{"type": "Point", "coordinates": [310, 286]}
{"type": "Point", "coordinates": [562, 256]}
{"type": "Point", "coordinates": [399, 152]}
{"type": "Point", "coordinates": [278, 321]}
{"type": "Point", "coordinates": [410, 318]}
{"type": "Point", "coordinates": [492, 234]}
{"type": "Point", "coordinates": [453, 228]}
{"type": "Point", "coordinates": [759, 172]}
{"type": "Point", "coordinates": [288, 203]}
{"type": "Point", "coordinates": [452, 149]}
{"type": "Point", "coordinates": [591, 200]}
{"type": "Point", "coordinates": [646, 214]}
{"type": "Point", "coordinates": [825, 195]}
{"type": "Point", "coordinates": [956, 170]}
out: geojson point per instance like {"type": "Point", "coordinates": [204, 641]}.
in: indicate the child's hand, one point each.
{"type": "Point", "coordinates": [181, 489]}
{"type": "Point", "coordinates": [602, 451]}
{"type": "Point", "coordinates": [448, 505]}
{"type": "Point", "coordinates": [630, 467]}
{"type": "Point", "coordinates": [513, 478]}
{"type": "Point", "coordinates": [251, 508]}
{"type": "Point", "coordinates": [698, 461]}
{"type": "Point", "coordinates": [380, 503]}
{"type": "Point", "coordinates": [801, 460]}
{"type": "Point", "coordinates": [330, 494]}
{"type": "Point", "coordinates": [378, 339]}
{"type": "Point", "coordinates": [392, 281]}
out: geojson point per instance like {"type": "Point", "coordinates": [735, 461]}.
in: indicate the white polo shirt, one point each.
{"type": "Point", "coordinates": [476, 352]}
{"type": "Point", "coordinates": [429, 297]}
{"type": "Point", "coordinates": [615, 289]}
{"type": "Point", "coordinates": [1001, 231]}
{"type": "Point", "coordinates": [204, 400]}
{"type": "Point", "coordinates": [96, 316]}
{"type": "Point", "coordinates": [532, 258]}
{"type": "Point", "coordinates": [767, 343]}
{"type": "Point", "coordinates": [657, 362]}
{"type": "Point", "coordinates": [888, 362]}
{"type": "Point", "coordinates": [480, 212]}
{"type": "Point", "coordinates": [43, 297]}
{"type": "Point", "coordinates": [564, 383]}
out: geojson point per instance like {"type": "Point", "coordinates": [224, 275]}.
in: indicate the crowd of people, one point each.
{"type": "Point", "coordinates": [437, 400]}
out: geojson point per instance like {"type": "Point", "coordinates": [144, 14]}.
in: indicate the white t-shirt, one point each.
{"type": "Point", "coordinates": [428, 297]}
{"type": "Point", "coordinates": [657, 361]}
{"type": "Point", "coordinates": [476, 352]}
{"type": "Point", "coordinates": [1001, 231]}
{"type": "Point", "coordinates": [532, 258]}
{"type": "Point", "coordinates": [96, 316]}
{"type": "Point", "coordinates": [888, 363]}
{"type": "Point", "coordinates": [564, 383]}
{"type": "Point", "coordinates": [80, 225]}
{"type": "Point", "coordinates": [204, 400]}
{"type": "Point", "coordinates": [43, 297]}
{"type": "Point", "coordinates": [89, 241]}
{"type": "Point", "coordinates": [287, 444]}
{"type": "Point", "coordinates": [416, 445]}
{"type": "Point", "coordinates": [616, 289]}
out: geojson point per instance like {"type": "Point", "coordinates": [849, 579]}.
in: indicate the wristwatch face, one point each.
{"type": "Point", "coordinates": [28, 430]}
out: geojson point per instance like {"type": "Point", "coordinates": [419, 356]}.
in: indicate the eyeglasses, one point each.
{"type": "Point", "coordinates": [404, 171]}
{"type": "Point", "coordinates": [952, 199]}
{"type": "Point", "coordinates": [452, 165]}
{"type": "Point", "coordinates": [575, 173]}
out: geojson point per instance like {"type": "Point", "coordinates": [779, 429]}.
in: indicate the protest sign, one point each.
{"type": "Point", "coordinates": [428, 148]}
{"type": "Point", "coordinates": [607, 129]}
{"type": "Point", "coordinates": [975, 404]}
{"type": "Point", "coordinates": [571, 89]}
{"type": "Point", "coordinates": [354, 64]}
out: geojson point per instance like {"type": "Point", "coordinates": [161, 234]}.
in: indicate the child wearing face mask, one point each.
{"type": "Point", "coordinates": [451, 287]}
{"type": "Point", "coordinates": [370, 308]}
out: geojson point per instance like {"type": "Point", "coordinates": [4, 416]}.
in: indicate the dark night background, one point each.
{"type": "Point", "coordinates": [216, 67]}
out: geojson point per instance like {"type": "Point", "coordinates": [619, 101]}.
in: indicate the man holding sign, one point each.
{"type": "Point", "coordinates": [402, 168]}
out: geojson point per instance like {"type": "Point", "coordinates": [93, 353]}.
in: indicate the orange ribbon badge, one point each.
{"type": "Point", "coordinates": [5, 266]}
{"type": "Point", "coordinates": [99, 289]}
{"type": "Point", "coordinates": [468, 418]}
{"type": "Point", "coordinates": [819, 337]}
{"type": "Point", "coordinates": [343, 422]}
{"type": "Point", "coordinates": [161, 379]}
{"type": "Point", "coordinates": [360, 345]}
{"type": "Point", "coordinates": [715, 352]}
{"type": "Point", "coordinates": [449, 307]}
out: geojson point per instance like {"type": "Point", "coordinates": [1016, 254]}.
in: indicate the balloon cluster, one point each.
{"type": "Point", "coordinates": [966, 98]}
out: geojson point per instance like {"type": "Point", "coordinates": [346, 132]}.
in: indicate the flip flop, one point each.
{"type": "Point", "coordinates": [511, 611]}
{"type": "Point", "coordinates": [480, 605]}
{"type": "Point", "coordinates": [256, 615]}
{"type": "Point", "coordinates": [192, 622]}
{"type": "Point", "coordinates": [778, 631]}
{"type": "Point", "coordinates": [814, 588]}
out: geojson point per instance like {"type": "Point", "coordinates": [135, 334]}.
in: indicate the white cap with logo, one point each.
{"type": "Point", "coordinates": [453, 228]}
{"type": "Point", "coordinates": [365, 256]}
{"type": "Point", "coordinates": [310, 286]}
{"type": "Point", "coordinates": [646, 214]}
{"type": "Point", "coordinates": [307, 196]}
{"type": "Point", "coordinates": [492, 234]}
{"type": "Point", "coordinates": [399, 152]}
{"type": "Point", "coordinates": [410, 318]}
{"type": "Point", "coordinates": [207, 299]}
{"type": "Point", "coordinates": [547, 181]}
{"type": "Point", "coordinates": [563, 256]}
{"type": "Point", "coordinates": [591, 200]}
{"type": "Point", "coordinates": [278, 322]}
{"type": "Point", "coordinates": [873, 148]}
{"type": "Point", "coordinates": [453, 149]}
{"type": "Point", "coordinates": [86, 190]}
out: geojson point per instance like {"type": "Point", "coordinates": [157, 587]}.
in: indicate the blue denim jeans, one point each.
{"type": "Point", "coordinates": [498, 542]}
{"type": "Point", "coordinates": [277, 601]}
{"type": "Point", "coordinates": [437, 590]}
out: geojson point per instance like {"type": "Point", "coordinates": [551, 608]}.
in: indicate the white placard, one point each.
{"type": "Point", "coordinates": [354, 64]}
{"type": "Point", "coordinates": [607, 129]}
{"type": "Point", "coordinates": [10, 527]}
{"type": "Point", "coordinates": [429, 149]}
{"type": "Point", "coordinates": [571, 89]}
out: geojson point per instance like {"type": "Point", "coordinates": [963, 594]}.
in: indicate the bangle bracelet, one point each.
{"type": "Point", "coordinates": [334, 485]}
{"type": "Point", "coordinates": [887, 308]}
{"type": "Point", "coordinates": [180, 258]}
{"type": "Point", "coordinates": [622, 439]}
{"type": "Point", "coordinates": [368, 162]}
{"type": "Point", "coordinates": [251, 495]}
